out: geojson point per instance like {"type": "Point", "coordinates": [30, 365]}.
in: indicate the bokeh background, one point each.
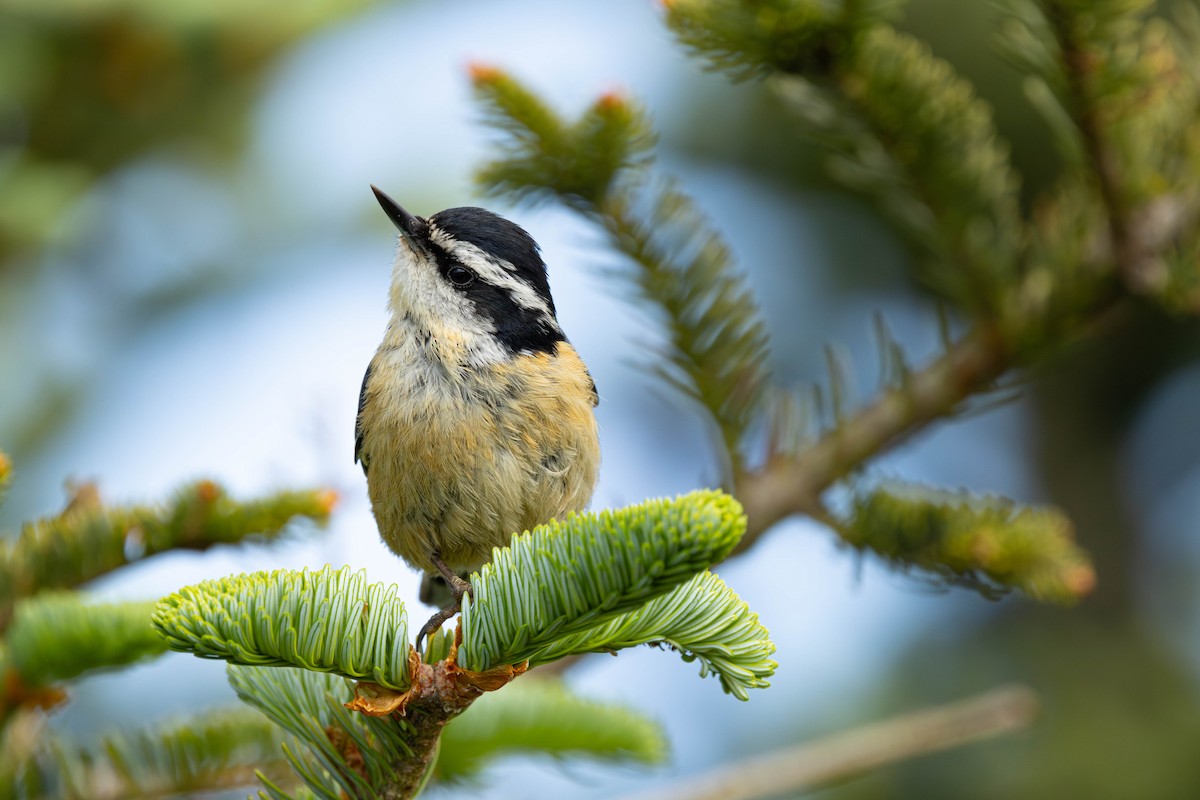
{"type": "Point", "coordinates": [192, 279]}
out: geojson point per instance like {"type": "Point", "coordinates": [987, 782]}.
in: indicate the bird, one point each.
{"type": "Point", "coordinates": [476, 417]}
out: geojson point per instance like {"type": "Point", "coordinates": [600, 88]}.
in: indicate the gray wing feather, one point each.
{"type": "Point", "coordinates": [358, 422]}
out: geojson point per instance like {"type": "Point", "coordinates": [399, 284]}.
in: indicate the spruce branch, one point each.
{"type": "Point", "coordinates": [542, 716]}
{"type": "Point", "coordinates": [56, 636]}
{"type": "Point", "coordinates": [703, 620]}
{"type": "Point", "coordinates": [905, 128]}
{"type": "Point", "coordinates": [793, 480]}
{"type": "Point", "coordinates": [794, 483]}
{"type": "Point", "coordinates": [826, 762]}
{"type": "Point", "coordinates": [225, 749]}
{"type": "Point", "coordinates": [336, 752]}
{"type": "Point", "coordinates": [328, 621]}
{"type": "Point", "coordinates": [88, 540]}
{"type": "Point", "coordinates": [753, 39]}
{"type": "Point", "coordinates": [988, 543]}
{"type": "Point", "coordinates": [5, 474]}
{"type": "Point", "coordinates": [1118, 72]}
{"type": "Point", "coordinates": [543, 154]}
{"type": "Point", "coordinates": [592, 581]}
{"type": "Point", "coordinates": [570, 577]}
{"type": "Point", "coordinates": [716, 346]}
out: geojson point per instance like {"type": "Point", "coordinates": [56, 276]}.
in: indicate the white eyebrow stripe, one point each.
{"type": "Point", "coordinates": [497, 273]}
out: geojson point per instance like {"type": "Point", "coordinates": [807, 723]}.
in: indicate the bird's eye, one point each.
{"type": "Point", "coordinates": [460, 276]}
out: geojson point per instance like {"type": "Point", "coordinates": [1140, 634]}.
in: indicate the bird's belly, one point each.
{"type": "Point", "coordinates": [453, 473]}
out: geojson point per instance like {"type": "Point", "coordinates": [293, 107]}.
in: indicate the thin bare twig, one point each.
{"type": "Point", "coordinates": [845, 755]}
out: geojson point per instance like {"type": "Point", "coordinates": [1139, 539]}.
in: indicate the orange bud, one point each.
{"type": "Point", "coordinates": [612, 100]}
{"type": "Point", "coordinates": [1080, 580]}
{"type": "Point", "coordinates": [327, 499]}
{"type": "Point", "coordinates": [484, 73]}
{"type": "Point", "coordinates": [208, 491]}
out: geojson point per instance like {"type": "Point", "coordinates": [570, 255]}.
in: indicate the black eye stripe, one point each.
{"type": "Point", "coordinates": [517, 327]}
{"type": "Point", "coordinates": [500, 240]}
{"type": "Point", "coordinates": [460, 276]}
{"type": "Point", "coordinates": [445, 262]}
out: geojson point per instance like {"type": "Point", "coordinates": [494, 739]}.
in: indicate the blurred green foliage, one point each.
{"type": "Point", "coordinates": [86, 87]}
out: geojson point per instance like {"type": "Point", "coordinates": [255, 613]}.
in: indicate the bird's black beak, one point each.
{"type": "Point", "coordinates": [408, 224]}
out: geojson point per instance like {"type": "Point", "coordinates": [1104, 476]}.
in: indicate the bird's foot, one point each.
{"type": "Point", "coordinates": [458, 588]}
{"type": "Point", "coordinates": [435, 623]}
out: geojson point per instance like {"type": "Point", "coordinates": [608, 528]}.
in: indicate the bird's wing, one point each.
{"type": "Point", "coordinates": [595, 394]}
{"type": "Point", "coordinates": [358, 422]}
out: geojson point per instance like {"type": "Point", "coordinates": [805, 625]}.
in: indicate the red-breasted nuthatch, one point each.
{"type": "Point", "coordinates": [475, 418]}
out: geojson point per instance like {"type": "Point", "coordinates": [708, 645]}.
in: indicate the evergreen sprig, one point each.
{"type": "Point", "coordinates": [89, 540]}
{"type": "Point", "coordinates": [336, 752]}
{"type": "Point", "coordinates": [5, 474]}
{"type": "Point", "coordinates": [57, 636]}
{"type": "Point", "coordinates": [219, 750]}
{"type": "Point", "coordinates": [715, 351]}
{"type": "Point", "coordinates": [542, 716]}
{"type": "Point", "coordinates": [567, 577]}
{"type": "Point", "coordinates": [951, 182]}
{"type": "Point", "coordinates": [753, 38]}
{"type": "Point", "coordinates": [328, 620]}
{"type": "Point", "coordinates": [716, 346]}
{"type": "Point", "coordinates": [578, 161]}
{"type": "Point", "coordinates": [901, 123]}
{"type": "Point", "coordinates": [704, 620]}
{"type": "Point", "coordinates": [989, 543]}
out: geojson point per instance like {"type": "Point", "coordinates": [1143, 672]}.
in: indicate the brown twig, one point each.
{"type": "Point", "coordinates": [845, 755]}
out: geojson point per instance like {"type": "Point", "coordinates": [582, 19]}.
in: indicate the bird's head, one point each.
{"type": "Point", "coordinates": [473, 276]}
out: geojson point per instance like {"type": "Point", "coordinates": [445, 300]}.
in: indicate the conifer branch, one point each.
{"type": "Point", "coordinates": [794, 484]}
{"type": "Point", "coordinates": [336, 752]}
{"type": "Point", "coordinates": [220, 750]}
{"type": "Point", "coordinates": [592, 581]}
{"type": "Point", "coordinates": [543, 716]}
{"type": "Point", "coordinates": [5, 474]}
{"type": "Point", "coordinates": [813, 765]}
{"type": "Point", "coordinates": [56, 636]}
{"type": "Point", "coordinates": [703, 620]}
{"type": "Point", "coordinates": [214, 751]}
{"type": "Point", "coordinates": [793, 481]}
{"type": "Point", "coordinates": [1079, 64]}
{"type": "Point", "coordinates": [988, 543]}
{"type": "Point", "coordinates": [569, 578]}
{"type": "Point", "coordinates": [328, 621]}
{"type": "Point", "coordinates": [88, 540]}
{"type": "Point", "coordinates": [918, 139]}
